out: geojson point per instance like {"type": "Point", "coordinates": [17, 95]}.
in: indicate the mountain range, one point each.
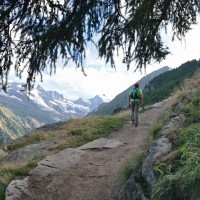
{"type": "Point", "coordinates": [21, 112]}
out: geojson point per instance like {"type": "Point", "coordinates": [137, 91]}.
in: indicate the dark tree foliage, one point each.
{"type": "Point", "coordinates": [34, 34]}
{"type": "Point", "coordinates": [162, 86]}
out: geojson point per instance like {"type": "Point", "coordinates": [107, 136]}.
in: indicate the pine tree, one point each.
{"type": "Point", "coordinates": [34, 34]}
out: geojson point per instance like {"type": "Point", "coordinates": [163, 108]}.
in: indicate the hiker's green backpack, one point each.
{"type": "Point", "coordinates": [134, 94]}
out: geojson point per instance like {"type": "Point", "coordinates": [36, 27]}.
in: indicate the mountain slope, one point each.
{"type": "Point", "coordinates": [163, 85]}
{"type": "Point", "coordinates": [121, 100]}
{"type": "Point", "coordinates": [13, 126]}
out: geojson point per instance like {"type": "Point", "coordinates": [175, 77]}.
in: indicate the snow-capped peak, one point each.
{"type": "Point", "coordinates": [53, 101]}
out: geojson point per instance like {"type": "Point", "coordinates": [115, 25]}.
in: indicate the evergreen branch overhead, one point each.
{"type": "Point", "coordinates": [34, 34]}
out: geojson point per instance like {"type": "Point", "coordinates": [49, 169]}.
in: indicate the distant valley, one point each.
{"type": "Point", "coordinates": [21, 112]}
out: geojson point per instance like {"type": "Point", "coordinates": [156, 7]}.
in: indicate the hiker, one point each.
{"type": "Point", "coordinates": [135, 101]}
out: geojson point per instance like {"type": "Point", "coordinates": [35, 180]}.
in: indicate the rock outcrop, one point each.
{"type": "Point", "coordinates": [28, 153]}
{"type": "Point", "coordinates": [51, 166]}
{"type": "Point", "coordinates": [101, 143]}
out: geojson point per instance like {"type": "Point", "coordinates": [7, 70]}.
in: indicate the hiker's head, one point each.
{"type": "Point", "coordinates": [137, 85]}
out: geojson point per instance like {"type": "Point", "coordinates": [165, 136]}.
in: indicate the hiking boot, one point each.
{"type": "Point", "coordinates": [136, 124]}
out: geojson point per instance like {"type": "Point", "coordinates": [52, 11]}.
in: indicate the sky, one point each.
{"type": "Point", "coordinates": [102, 79]}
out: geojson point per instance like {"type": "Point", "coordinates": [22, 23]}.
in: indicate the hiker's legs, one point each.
{"type": "Point", "coordinates": [136, 110]}
{"type": "Point", "coordinates": [132, 111]}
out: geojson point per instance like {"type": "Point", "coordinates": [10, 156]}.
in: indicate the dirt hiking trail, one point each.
{"type": "Point", "coordinates": [91, 172]}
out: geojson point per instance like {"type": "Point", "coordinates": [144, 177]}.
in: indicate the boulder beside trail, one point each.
{"type": "Point", "coordinates": [51, 166]}
{"type": "Point", "coordinates": [28, 153]}
{"type": "Point", "coordinates": [101, 143]}
{"type": "Point", "coordinates": [18, 189]}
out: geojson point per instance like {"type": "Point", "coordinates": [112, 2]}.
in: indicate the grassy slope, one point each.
{"type": "Point", "coordinates": [178, 173]}
{"type": "Point", "coordinates": [15, 126]}
{"type": "Point", "coordinates": [74, 132]}
{"type": "Point", "coordinates": [163, 85]}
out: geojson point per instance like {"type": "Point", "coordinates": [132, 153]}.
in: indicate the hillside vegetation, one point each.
{"type": "Point", "coordinates": [178, 173]}
{"type": "Point", "coordinates": [163, 85]}
{"type": "Point", "coordinates": [72, 133]}
{"type": "Point", "coordinates": [14, 126]}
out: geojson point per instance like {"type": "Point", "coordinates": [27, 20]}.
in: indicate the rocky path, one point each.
{"type": "Point", "coordinates": [91, 172]}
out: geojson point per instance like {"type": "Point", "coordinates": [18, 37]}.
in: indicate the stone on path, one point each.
{"type": "Point", "coordinates": [101, 143]}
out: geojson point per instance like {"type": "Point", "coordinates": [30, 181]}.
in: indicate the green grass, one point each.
{"type": "Point", "coordinates": [155, 129]}
{"type": "Point", "coordinates": [75, 132]}
{"type": "Point", "coordinates": [178, 173]}
{"type": "Point", "coordinates": [132, 167]}
{"type": "Point", "coordinates": [127, 171]}
{"type": "Point", "coordinates": [9, 172]}
{"type": "Point", "coordinates": [189, 103]}
{"type": "Point", "coordinates": [183, 182]}
{"type": "Point", "coordinates": [1, 157]}
{"type": "Point", "coordinates": [1, 144]}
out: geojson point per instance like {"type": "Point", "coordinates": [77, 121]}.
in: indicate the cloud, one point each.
{"type": "Point", "coordinates": [102, 79]}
